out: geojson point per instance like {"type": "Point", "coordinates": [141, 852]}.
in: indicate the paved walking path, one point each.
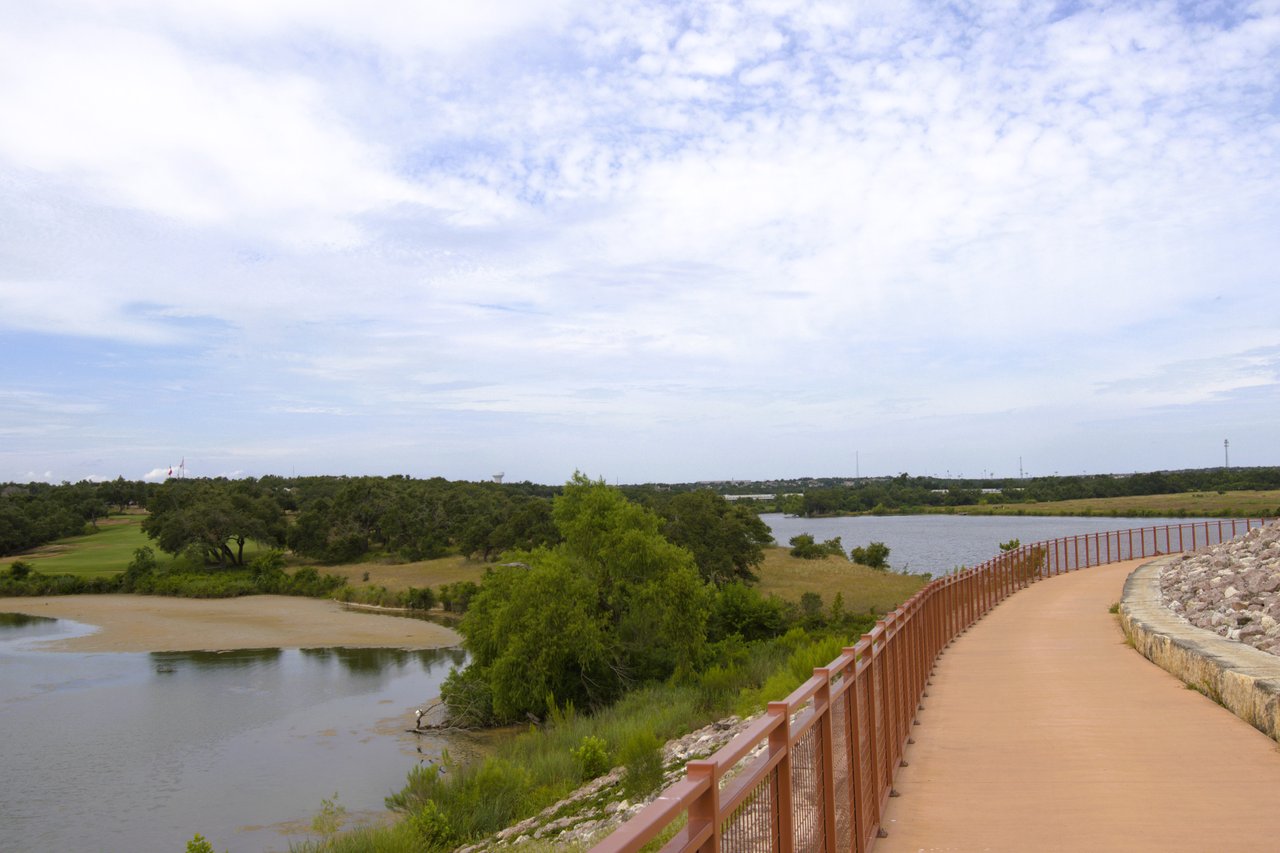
{"type": "Point", "coordinates": [1043, 731]}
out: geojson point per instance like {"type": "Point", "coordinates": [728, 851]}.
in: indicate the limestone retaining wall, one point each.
{"type": "Point", "coordinates": [1241, 678]}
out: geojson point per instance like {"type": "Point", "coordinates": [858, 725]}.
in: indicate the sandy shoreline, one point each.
{"type": "Point", "coordinates": [142, 623]}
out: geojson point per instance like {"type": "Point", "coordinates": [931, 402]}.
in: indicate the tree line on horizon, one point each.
{"type": "Point", "coordinates": [905, 493]}
{"type": "Point", "coordinates": [337, 519]}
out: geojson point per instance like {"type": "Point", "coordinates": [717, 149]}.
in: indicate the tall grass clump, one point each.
{"type": "Point", "coordinates": [642, 756]}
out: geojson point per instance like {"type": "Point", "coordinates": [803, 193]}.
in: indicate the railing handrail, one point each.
{"type": "Point", "coordinates": [881, 679]}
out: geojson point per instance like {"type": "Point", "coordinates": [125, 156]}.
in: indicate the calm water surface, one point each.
{"type": "Point", "coordinates": [939, 543]}
{"type": "Point", "coordinates": [137, 752]}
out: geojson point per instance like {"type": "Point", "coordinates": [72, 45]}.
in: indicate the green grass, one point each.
{"type": "Point", "coordinates": [101, 554]}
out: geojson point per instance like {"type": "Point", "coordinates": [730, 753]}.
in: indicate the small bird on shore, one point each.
{"type": "Point", "coordinates": [418, 715]}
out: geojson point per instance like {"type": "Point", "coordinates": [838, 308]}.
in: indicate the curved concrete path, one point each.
{"type": "Point", "coordinates": [1044, 731]}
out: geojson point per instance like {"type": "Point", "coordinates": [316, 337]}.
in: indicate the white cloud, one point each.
{"type": "Point", "coordinates": [587, 214]}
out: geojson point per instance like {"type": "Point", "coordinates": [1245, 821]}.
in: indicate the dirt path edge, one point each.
{"type": "Point", "coordinates": [1242, 679]}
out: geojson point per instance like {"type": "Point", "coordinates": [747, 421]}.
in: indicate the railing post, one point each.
{"type": "Point", "coordinates": [780, 743]}
{"type": "Point", "coordinates": [706, 809]}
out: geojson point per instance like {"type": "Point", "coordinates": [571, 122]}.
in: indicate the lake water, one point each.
{"type": "Point", "coordinates": [138, 752]}
{"type": "Point", "coordinates": [939, 543]}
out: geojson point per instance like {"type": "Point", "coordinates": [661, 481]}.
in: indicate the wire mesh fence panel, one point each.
{"type": "Point", "coordinates": [905, 703]}
{"type": "Point", "coordinates": [866, 752]}
{"type": "Point", "coordinates": [753, 825]}
{"type": "Point", "coordinates": [807, 800]}
{"type": "Point", "coordinates": [880, 747]}
{"type": "Point", "coordinates": [842, 769]}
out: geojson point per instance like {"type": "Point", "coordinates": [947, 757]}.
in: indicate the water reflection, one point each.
{"type": "Point", "coordinates": [238, 659]}
{"type": "Point", "coordinates": [140, 751]}
{"type": "Point", "coordinates": [22, 620]}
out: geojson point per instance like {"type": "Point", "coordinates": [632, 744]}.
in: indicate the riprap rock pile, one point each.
{"type": "Point", "coordinates": [1232, 589]}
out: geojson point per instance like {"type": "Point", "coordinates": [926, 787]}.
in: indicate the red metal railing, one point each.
{"type": "Point", "coordinates": [815, 772]}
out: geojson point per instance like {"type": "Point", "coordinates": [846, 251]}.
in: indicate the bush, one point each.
{"type": "Point", "coordinates": [456, 597]}
{"type": "Point", "coordinates": [432, 825]}
{"type": "Point", "coordinates": [592, 758]}
{"type": "Point", "coordinates": [739, 609]}
{"type": "Point", "coordinates": [804, 547]}
{"type": "Point", "coordinates": [875, 555]}
{"type": "Point", "coordinates": [420, 599]}
{"type": "Point", "coordinates": [30, 582]}
{"type": "Point", "coordinates": [199, 844]}
{"type": "Point", "coordinates": [140, 569]}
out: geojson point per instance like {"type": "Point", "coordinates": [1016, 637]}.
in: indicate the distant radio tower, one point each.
{"type": "Point", "coordinates": [1226, 453]}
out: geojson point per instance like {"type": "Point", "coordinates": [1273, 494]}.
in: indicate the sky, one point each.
{"type": "Point", "coordinates": [654, 242]}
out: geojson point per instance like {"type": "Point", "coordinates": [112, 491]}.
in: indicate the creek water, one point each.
{"type": "Point", "coordinates": [137, 752]}
{"type": "Point", "coordinates": [939, 543]}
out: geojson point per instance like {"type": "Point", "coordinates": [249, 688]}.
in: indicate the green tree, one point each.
{"type": "Point", "coordinates": [214, 519]}
{"type": "Point", "coordinates": [612, 604]}
{"type": "Point", "coordinates": [727, 540]}
{"type": "Point", "coordinates": [535, 633]}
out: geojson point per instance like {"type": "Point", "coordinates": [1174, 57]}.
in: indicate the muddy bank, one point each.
{"type": "Point", "coordinates": [139, 623]}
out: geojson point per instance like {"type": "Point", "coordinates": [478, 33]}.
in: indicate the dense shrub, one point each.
{"type": "Point", "coordinates": [379, 596]}
{"type": "Point", "coordinates": [875, 555]}
{"type": "Point", "coordinates": [739, 609]}
{"type": "Point", "coordinates": [804, 547]}
{"type": "Point", "coordinates": [592, 758]}
{"type": "Point", "coordinates": [456, 597]}
{"type": "Point", "coordinates": [21, 579]}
